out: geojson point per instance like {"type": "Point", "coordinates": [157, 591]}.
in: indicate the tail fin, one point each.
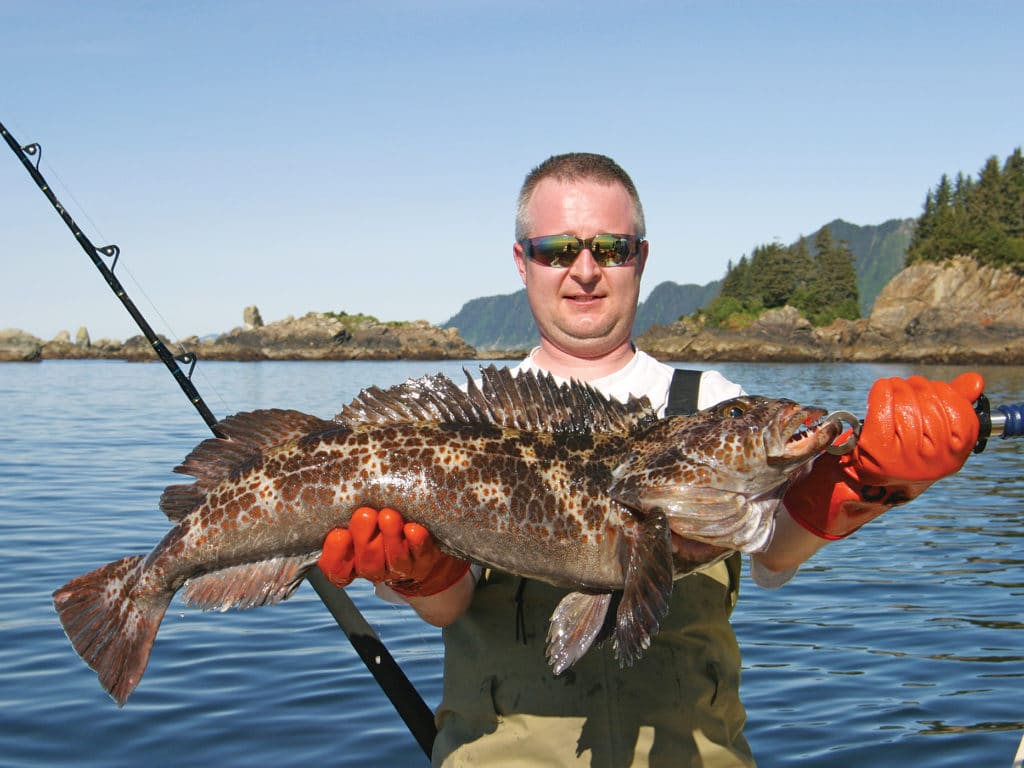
{"type": "Point", "coordinates": [112, 631]}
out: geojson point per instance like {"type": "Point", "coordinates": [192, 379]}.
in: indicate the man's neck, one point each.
{"type": "Point", "coordinates": [568, 366]}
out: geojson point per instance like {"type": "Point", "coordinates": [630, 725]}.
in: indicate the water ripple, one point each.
{"type": "Point", "coordinates": [900, 645]}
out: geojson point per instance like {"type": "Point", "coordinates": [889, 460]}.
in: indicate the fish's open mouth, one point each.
{"type": "Point", "coordinates": [811, 432]}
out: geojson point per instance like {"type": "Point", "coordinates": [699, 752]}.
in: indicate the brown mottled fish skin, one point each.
{"type": "Point", "coordinates": [546, 481]}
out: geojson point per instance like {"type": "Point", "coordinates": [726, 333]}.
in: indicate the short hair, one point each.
{"type": "Point", "coordinates": [577, 166]}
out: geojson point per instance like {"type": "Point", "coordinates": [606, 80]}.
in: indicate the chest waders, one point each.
{"type": "Point", "coordinates": [678, 706]}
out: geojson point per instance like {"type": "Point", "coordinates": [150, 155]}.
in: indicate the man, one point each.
{"type": "Point", "coordinates": [679, 705]}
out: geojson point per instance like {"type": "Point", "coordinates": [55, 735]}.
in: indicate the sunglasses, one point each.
{"type": "Point", "coordinates": [560, 251]}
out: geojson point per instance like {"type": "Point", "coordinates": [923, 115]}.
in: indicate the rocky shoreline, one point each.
{"type": "Point", "coordinates": [958, 312]}
{"type": "Point", "coordinates": [314, 336]}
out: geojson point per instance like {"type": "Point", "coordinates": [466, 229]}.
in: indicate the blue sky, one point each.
{"type": "Point", "coordinates": [365, 156]}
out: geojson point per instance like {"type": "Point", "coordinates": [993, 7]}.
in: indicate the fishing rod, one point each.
{"type": "Point", "coordinates": [1009, 422]}
{"type": "Point", "coordinates": [411, 707]}
{"type": "Point", "coordinates": [171, 361]}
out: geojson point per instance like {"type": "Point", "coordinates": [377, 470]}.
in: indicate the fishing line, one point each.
{"type": "Point", "coordinates": [123, 268]}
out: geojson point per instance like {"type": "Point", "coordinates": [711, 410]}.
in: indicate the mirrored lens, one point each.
{"type": "Point", "coordinates": [611, 250]}
{"type": "Point", "coordinates": [560, 251]}
{"type": "Point", "coordinates": [554, 251]}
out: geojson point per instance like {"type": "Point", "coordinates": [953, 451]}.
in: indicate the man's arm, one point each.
{"type": "Point", "coordinates": [792, 545]}
{"type": "Point", "coordinates": [915, 432]}
{"type": "Point", "coordinates": [445, 607]}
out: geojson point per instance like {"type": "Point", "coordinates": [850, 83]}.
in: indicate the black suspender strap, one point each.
{"type": "Point", "coordinates": [682, 393]}
{"type": "Point", "coordinates": [682, 401]}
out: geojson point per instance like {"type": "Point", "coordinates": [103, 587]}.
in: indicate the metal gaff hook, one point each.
{"type": "Point", "coordinates": [850, 442]}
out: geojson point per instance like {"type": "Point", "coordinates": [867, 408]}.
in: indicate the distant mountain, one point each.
{"type": "Point", "coordinates": [504, 322]}
{"type": "Point", "coordinates": [668, 301]}
{"type": "Point", "coordinates": [880, 252]}
{"type": "Point", "coordinates": [497, 322]}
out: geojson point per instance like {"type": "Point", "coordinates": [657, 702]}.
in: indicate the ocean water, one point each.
{"type": "Point", "coordinates": [902, 645]}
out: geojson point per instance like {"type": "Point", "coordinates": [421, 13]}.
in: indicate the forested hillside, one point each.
{"type": "Point", "coordinates": [820, 281]}
{"type": "Point", "coordinates": [982, 218]}
{"type": "Point", "coordinates": [669, 300]}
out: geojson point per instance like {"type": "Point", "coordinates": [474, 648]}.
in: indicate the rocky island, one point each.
{"type": "Point", "coordinates": [314, 336]}
{"type": "Point", "coordinates": [952, 312]}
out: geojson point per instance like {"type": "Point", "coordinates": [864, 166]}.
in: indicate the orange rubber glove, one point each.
{"type": "Point", "coordinates": [381, 547]}
{"type": "Point", "coordinates": [915, 432]}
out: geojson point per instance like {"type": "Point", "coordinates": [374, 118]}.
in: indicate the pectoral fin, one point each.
{"type": "Point", "coordinates": [648, 588]}
{"type": "Point", "coordinates": [722, 518]}
{"type": "Point", "coordinates": [575, 623]}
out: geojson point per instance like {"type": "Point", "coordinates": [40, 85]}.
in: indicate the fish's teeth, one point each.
{"type": "Point", "coordinates": [804, 431]}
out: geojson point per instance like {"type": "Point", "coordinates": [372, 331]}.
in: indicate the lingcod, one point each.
{"type": "Point", "coordinates": [547, 480]}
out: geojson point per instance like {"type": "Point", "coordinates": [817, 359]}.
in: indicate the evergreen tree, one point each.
{"type": "Point", "coordinates": [736, 283]}
{"type": "Point", "coordinates": [771, 275]}
{"type": "Point", "coordinates": [838, 285]}
{"type": "Point", "coordinates": [803, 265]}
{"type": "Point", "coordinates": [803, 268]}
{"type": "Point", "coordinates": [1012, 207]}
{"type": "Point", "coordinates": [961, 191]}
{"type": "Point", "coordinates": [943, 195]}
{"type": "Point", "coordinates": [823, 242]}
{"type": "Point", "coordinates": [924, 229]}
{"type": "Point", "coordinates": [985, 200]}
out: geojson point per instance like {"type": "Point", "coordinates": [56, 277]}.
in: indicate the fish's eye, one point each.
{"type": "Point", "coordinates": [733, 410]}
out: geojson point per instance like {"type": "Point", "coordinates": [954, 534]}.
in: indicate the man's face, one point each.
{"type": "Point", "coordinates": [585, 311]}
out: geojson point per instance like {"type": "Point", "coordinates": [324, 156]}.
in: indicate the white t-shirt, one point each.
{"type": "Point", "coordinates": [643, 375]}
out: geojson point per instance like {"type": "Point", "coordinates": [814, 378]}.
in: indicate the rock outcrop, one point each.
{"type": "Point", "coordinates": [251, 317]}
{"type": "Point", "coordinates": [315, 336]}
{"type": "Point", "coordinates": [327, 336]}
{"type": "Point", "coordinates": [778, 335]}
{"type": "Point", "coordinates": [948, 312]}
{"type": "Point", "coordinates": [19, 347]}
{"type": "Point", "coordinates": [955, 312]}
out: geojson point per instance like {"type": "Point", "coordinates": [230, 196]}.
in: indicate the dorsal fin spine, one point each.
{"type": "Point", "coordinates": [247, 436]}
